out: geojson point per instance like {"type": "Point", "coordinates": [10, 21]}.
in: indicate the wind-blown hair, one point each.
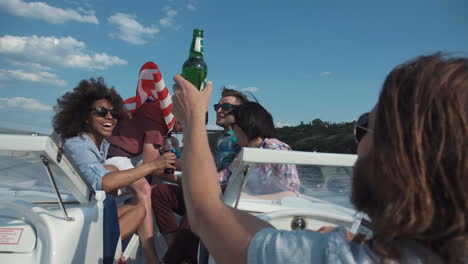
{"type": "Point", "coordinates": [254, 120]}
{"type": "Point", "coordinates": [418, 166]}
{"type": "Point", "coordinates": [73, 108]}
{"type": "Point", "coordinates": [241, 98]}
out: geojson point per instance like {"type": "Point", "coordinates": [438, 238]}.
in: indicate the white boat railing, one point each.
{"type": "Point", "coordinates": [257, 155]}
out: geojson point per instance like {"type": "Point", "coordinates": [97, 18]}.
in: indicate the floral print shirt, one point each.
{"type": "Point", "coordinates": [225, 151]}
{"type": "Point", "coordinates": [267, 178]}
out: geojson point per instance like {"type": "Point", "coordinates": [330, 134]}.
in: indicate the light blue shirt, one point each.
{"type": "Point", "coordinates": [88, 158]}
{"type": "Point", "coordinates": [271, 246]}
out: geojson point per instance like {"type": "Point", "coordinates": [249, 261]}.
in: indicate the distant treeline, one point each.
{"type": "Point", "coordinates": [317, 135]}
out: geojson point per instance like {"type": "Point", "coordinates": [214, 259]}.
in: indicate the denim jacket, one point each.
{"type": "Point", "coordinates": [88, 158]}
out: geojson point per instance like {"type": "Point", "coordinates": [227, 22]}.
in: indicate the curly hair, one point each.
{"type": "Point", "coordinates": [72, 108]}
{"type": "Point", "coordinates": [418, 166]}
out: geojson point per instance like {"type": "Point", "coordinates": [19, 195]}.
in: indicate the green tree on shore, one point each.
{"type": "Point", "coordinates": [317, 135]}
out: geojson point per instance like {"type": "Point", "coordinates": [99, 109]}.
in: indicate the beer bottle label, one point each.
{"type": "Point", "coordinates": [199, 45]}
{"type": "Point", "coordinates": [203, 85]}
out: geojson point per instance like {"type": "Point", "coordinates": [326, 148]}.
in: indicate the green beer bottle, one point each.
{"type": "Point", "coordinates": [195, 69]}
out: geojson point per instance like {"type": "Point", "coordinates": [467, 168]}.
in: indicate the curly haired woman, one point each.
{"type": "Point", "coordinates": [84, 117]}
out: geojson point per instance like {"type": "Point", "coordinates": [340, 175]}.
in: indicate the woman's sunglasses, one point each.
{"type": "Point", "coordinates": [223, 106]}
{"type": "Point", "coordinates": [102, 112]}
{"type": "Point", "coordinates": [361, 127]}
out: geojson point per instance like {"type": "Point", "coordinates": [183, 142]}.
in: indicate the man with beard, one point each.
{"type": "Point", "coordinates": [410, 178]}
{"type": "Point", "coordinates": [168, 199]}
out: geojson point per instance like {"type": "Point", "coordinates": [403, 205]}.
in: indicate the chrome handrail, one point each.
{"type": "Point", "coordinates": [45, 161]}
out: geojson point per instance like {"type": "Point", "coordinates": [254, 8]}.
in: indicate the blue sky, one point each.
{"type": "Point", "coordinates": [301, 59]}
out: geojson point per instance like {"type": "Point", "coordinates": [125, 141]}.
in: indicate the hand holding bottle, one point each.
{"type": "Point", "coordinates": [167, 148]}
{"type": "Point", "coordinates": [189, 102]}
{"type": "Point", "coordinates": [165, 161]}
{"type": "Point", "coordinates": [194, 69]}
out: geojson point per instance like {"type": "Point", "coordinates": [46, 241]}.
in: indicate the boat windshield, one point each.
{"type": "Point", "coordinates": [317, 184]}
{"type": "Point", "coordinates": [24, 176]}
{"type": "Point", "coordinates": [328, 183]}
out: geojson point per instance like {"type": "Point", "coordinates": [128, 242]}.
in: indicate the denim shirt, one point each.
{"type": "Point", "coordinates": [88, 158]}
{"type": "Point", "coordinates": [271, 246]}
{"type": "Point", "coordinates": [277, 246]}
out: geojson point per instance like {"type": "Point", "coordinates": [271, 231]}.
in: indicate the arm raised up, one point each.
{"type": "Point", "coordinates": [220, 227]}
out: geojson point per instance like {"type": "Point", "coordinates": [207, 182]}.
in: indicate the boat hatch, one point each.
{"type": "Point", "coordinates": [16, 236]}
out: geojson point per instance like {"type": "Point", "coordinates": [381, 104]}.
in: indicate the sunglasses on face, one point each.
{"type": "Point", "coordinates": [223, 106]}
{"type": "Point", "coordinates": [361, 127]}
{"type": "Point", "coordinates": [102, 112]}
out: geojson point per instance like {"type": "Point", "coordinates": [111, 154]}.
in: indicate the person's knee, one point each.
{"type": "Point", "coordinates": [142, 189]}
{"type": "Point", "coordinates": [146, 189]}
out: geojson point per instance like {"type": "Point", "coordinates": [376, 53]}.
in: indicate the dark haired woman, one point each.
{"type": "Point", "coordinates": [84, 118]}
{"type": "Point", "coordinates": [254, 128]}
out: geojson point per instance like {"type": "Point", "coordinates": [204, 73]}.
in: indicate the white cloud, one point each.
{"type": "Point", "coordinates": [231, 86]}
{"type": "Point", "coordinates": [30, 65]}
{"type": "Point", "coordinates": [37, 77]}
{"type": "Point", "coordinates": [23, 103]}
{"type": "Point", "coordinates": [65, 52]}
{"type": "Point", "coordinates": [79, 3]}
{"type": "Point", "coordinates": [130, 30]}
{"type": "Point", "coordinates": [250, 89]}
{"type": "Point", "coordinates": [279, 124]}
{"type": "Point", "coordinates": [43, 11]}
{"type": "Point", "coordinates": [325, 73]}
{"type": "Point", "coordinates": [168, 20]}
{"type": "Point", "coordinates": [191, 5]}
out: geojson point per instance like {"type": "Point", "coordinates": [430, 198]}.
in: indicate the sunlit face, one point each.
{"type": "Point", "coordinates": [240, 135]}
{"type": "Point", "coordinates": [101, 126]}
{"type": "Point", "coordinates": [224, 118]}
{"type": "Point", "coordinates": [365, 144]}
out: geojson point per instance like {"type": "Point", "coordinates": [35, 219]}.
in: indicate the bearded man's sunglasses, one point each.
{"type": "Point", "coordinates": [361, 127]}
{"type": "Point", "coordinates": [223, 106]}
{"type": "Point", "coordinates": [102, 112]}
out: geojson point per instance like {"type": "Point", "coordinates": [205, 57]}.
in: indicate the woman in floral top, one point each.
{"type": "Point", "coordinates": [254, 128]}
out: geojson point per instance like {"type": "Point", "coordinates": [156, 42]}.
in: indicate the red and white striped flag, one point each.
{"type": "Point", "coordinates": [151, 86]}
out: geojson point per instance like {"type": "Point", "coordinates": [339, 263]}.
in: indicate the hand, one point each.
{"type": "Point", "coordinates": [325, 229]}
{"type": "Point", "coordinates": [189, 102]}
{"type": "Point", "coordinates": [121, 260]}
{"type": "Point", "coordinates": [165, 161]}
